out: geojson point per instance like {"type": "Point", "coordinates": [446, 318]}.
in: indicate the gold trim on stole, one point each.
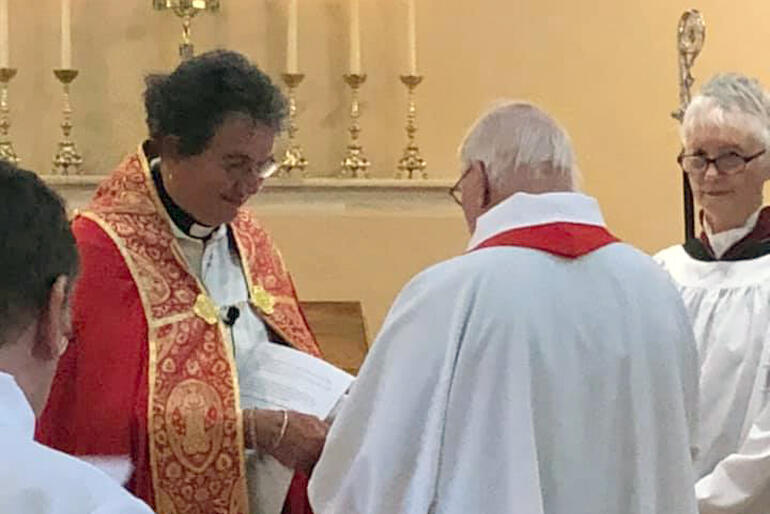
{"type": "Point", "coordinates": [202, 434]}
{"type": "Point", "coordinates": [209, 312]}
{"type": "Point", "coordinates": [284, 310]}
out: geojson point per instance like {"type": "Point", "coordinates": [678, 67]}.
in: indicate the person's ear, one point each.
{"type": "Point", "coordinates": [487, 198]}
{"type": "Point", "coordinates": [764, 163]}
{"type": "Point", "coordinates": [53, 325]}
{"type": "Point", "coordinates": [169, 148]}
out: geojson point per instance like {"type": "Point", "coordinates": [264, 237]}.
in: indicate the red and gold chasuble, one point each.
{"type": "Point", "coordinates": [150, 372]}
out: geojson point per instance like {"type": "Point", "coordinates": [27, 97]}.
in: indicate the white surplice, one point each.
{"type": "Point", "coordinates": [729, 304]}
{"type": "Point", "coordinates": [509, 380]}
{"type": "Point", "coordinates": [35, 479]}
{"type": "Point", "coordinates": [217, 264]}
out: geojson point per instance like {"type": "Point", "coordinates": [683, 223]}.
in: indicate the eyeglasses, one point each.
{"type": "Point", "coordinates": [456, 191]}
{"type": "Point", "coordinates": [267, 169]}
{"type": "Point", "coordinates": [730, 163]}
{"type": "Point", "coordinates": [262, 171]}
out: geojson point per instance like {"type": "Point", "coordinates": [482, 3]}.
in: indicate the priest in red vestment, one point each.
{"type": "Point", "coordinates": [179, 285]}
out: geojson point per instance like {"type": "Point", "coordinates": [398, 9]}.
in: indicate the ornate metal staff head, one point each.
{"type": "Point", "coordinates": [691, 35]}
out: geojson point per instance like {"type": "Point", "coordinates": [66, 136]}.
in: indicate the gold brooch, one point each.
{"type": "Point", "coordinates": [206, 310]}
{"type": "Point", "coordinates": [263, 300]}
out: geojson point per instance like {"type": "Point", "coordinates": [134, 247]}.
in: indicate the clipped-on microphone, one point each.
{"type": "Point", "coordinates": [233, 313]}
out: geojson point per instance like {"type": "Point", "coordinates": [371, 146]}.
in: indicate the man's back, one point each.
{"type": "Point", "coordinates": [511, 378]}
{"type": "Point", "coordinates": [35, 479]}
{"type": "Point", "coordinates": [614, 381]}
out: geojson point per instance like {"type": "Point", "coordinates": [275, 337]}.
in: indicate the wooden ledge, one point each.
{"type": "Point", "coordinates": [337, 184]}
{"type": "Point", "coordinates": [331, 195]}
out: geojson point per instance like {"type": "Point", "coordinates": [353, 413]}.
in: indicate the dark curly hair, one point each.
{"type": "Point", "coordinates": [191, 102]}
{"type": "Point", "coordinates": [36, 246]}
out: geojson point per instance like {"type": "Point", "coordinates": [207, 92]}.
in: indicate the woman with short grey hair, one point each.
{"type": "Point", "coordinates": [724, 279]}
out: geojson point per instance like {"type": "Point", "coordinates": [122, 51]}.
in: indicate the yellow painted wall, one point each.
{"type": "Point", "coordinates": [363, 257]}
{"type": "Point", "coordinates": [606, 68]}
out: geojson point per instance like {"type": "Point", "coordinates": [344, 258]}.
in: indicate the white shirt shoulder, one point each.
{"type": "Point", "coordinates": [36, 479]}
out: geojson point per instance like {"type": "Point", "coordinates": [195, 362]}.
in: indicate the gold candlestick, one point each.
{"type": "Point", "coordinates": [411, 165]}
{"type": "Point", "coordinates": [67, 156]}
{"type": "Point", "coordinates": [355, 164]}
{"type": "Point", "coordinates": [7, 153]}
{"type": "Point", "coordinates": [293, 157]}
{"type": "Point", "coordinates": [186, 10]}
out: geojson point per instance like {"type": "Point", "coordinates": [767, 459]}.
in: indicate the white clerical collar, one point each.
{"type": "Point", "coordinates": [181, 219]}
{"type": "Point", "coordinates": [723, 241]}
{"type": "Point", "coordinates": [212, 235]}
{"type": "Point", "coordinates": [201, 231]}
{"type": "Point", "coordinates": [15, 410]}
{"type": "Point", "coordinates": [527, 210]}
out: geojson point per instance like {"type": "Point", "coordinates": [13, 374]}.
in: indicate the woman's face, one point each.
{"type": "Point", "coordinates": [213, 185]}
{"type": "Point", "coordinates": [718, 191]}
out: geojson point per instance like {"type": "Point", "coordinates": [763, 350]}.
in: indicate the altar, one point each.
{"type": "Point", "coordinates": [350, 245]}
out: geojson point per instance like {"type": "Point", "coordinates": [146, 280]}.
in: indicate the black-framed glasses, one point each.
{"type": "Point", "coordinates": [730, 163]}
{"type": "Point", "coordinates": [456, 190]}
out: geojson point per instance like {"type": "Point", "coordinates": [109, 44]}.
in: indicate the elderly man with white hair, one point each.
{"type": "Point", "coordinates": [724, 278]}
{"type": "Point", "coordinates": [551, 369]}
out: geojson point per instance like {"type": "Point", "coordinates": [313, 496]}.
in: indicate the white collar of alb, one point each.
{"type": "Point", "coordinates": [723, 241]}
{"type": "Point", "coordinates": [15, 410]}
{"type": "Point", "coordinates": [528, 210]}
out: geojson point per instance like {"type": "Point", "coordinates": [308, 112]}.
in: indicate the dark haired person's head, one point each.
{"type": "Point", "coordinates": [38, 263]}
{"type": "Point", "coordinates": [214, 120]}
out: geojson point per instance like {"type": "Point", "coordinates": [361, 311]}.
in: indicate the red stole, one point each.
{"type": "Point", "coordinates": [564, 239]}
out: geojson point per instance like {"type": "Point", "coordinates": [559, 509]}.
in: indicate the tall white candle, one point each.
{"type": "Point", "coordinates": [4, 46]}
{"type": "Point", "coordinates": [355, 37]}
{"type": "Point", "coordinates": [292, 59]}
{"type": "Point", "coordinates": [412, 35]}
{"type": "Point", "coordinates": [66, 34]}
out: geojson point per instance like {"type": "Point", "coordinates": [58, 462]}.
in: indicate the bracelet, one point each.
{"type": "Point", "coordinates": [283, 430]}
{"type": "Point", "coordinates": [251, 423]}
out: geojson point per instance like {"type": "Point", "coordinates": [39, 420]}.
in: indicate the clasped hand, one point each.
{"type": "Point", "coordinates": [298, 447]}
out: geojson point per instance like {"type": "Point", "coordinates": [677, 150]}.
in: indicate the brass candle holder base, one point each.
{"type": "Point", "coordinates": [355, 164]}
{"type": "Point", "coordinates": [411, 165]}
{"type": "Point", "coordinates": [7, 152]}
{"type": "Point", "coordinates": [67, 156]}
{"type": "Point", "coordinates": [294, 161]}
